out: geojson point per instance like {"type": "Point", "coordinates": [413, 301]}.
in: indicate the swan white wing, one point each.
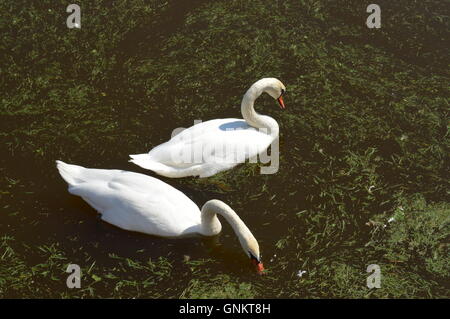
{"type": "Point", "coordinates": [223, 142]}
{"type": "Point", "coordinates": [136, 202]}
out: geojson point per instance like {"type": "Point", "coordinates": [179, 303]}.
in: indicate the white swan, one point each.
{"type": "Point", "coordinates": [141, 203]}
{"type": "Point", "coordinates": [217, 145]}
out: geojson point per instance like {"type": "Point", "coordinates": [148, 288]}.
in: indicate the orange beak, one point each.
{"type": "Point", "coordinates": [281, 102]}
{"type": "Point", "coordinates": [259, 267]}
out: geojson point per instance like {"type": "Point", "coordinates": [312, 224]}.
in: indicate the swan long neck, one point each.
{"type": "Point", "coordinates": [252, 117]}
{"type": "Point", "coordinates": [211, 224]}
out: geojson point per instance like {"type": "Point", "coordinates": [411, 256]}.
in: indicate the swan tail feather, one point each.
{"type": "Point", "coordinates": [145, 161]}
{"type": "Point", "coordinates": [70, 173]}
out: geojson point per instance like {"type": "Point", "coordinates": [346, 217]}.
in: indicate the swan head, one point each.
{"type": "Point", "coordinates": [251, 248]}
{"type": "Point", "coordinates": [275, 88]}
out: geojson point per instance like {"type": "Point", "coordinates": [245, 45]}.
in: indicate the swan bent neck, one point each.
{"type": "Point", "coordinates": [211, 225]}
{"type": "Point", "coordinates": [252, 117]}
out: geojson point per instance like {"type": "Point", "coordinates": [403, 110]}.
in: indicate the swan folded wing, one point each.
{"type": "Point", "coordinates": [134, 202]}
{"type": "Point", "coordinates": [135, 182]}
{"type": "Point", "coordinates": [179, 150]}
{"type": "Point", "coordinates": [160, 211]}
{"type": "Point", "coordinates": [143, 213]}
{"type": "Point", "coordinates": [209, 127]}
{"type": "Point", "coordinates": [228, 141]}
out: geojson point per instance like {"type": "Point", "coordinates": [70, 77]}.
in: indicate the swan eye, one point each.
{"type": "Point", "coordinates": [282, 92]}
